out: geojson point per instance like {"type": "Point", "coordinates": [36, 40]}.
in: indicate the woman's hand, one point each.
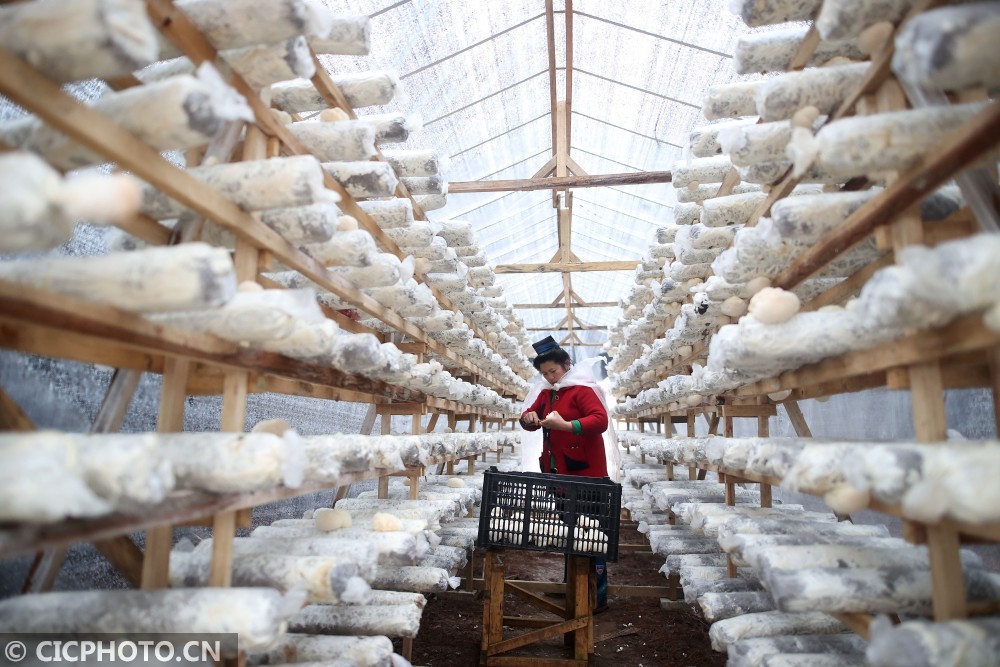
{"type": "Point", "coordinates": [554, 421]}
{"type": "Point", "coordinates": [530, 419]}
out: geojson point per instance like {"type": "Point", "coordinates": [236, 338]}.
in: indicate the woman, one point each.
{"type": "Point", "coordinates": [572, 418]}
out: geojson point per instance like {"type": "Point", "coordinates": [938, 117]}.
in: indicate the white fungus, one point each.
{"type": "Point", "coordinates": [328, 519]}
{"type": "Point", "coordinates": [384, 522]}
{"type": "Point", "coordinates": [773, 305]}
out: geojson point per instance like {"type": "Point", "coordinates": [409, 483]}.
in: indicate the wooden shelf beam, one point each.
{"type": "Point", "coordinates": [576, 304]}
{"type": "Point", "coordinates": [181, 507]}
{"type": "Point", "coordinates": [567, 267]}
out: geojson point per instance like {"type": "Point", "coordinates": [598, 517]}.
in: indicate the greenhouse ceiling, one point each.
{"type": "Point", "coordinates": [490, 81]}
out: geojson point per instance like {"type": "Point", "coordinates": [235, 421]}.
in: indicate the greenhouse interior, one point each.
{"type": "Point", "coordinates": [375, 333]}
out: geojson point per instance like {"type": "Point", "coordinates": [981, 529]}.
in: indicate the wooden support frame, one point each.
{"type": "Point", "coordinates": [577, 626]}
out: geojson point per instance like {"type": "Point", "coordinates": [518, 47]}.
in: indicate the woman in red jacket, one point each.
{"type": "Point", "coordinates": [572, 419]}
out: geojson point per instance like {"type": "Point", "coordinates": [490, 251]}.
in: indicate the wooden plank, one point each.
{"type": "Point", "coordinates": [223, 532]}
{"type": "Point", "coordinates": [567, 267]}
{"type": "Point", "coordinates": [927, 396]}
{"type": "Point", "coordinates": [565, 328]}
{"type": "Point", "coordinates": [552, 182]}
{"type": "Point", "coordinates": [565, 226]}
{"type": "Point", "coordinates": [121, 390]}
{"type": "Point", "coordinates": [730, 411]}
{"type": "Point", "coordinates": [44, 570]}
{"type": "Point", "coordinates": [568, 111]}
{"type": "Point", "coordinates": [806, 49]}
{"type": "Point", "coordinates": [946, 573]}
{"type": "Point", "coordinates": [858, 623]}
{"type": "Point", "coordinates": [550, 36]}
{"type": "Point", "coordinates": [65, 343]}
{"type": "Point", "coordinates": [850, 286]}
{"type": "Point", "coordinates": [562, 147]}
{"type": "Point", "coordinates": [147, 229]}
{"type": "Point", "coordinates": [538, 635]}
{"type": "Point", "coordinates": [12, 417]}
{"type": "Point", "coordinates": [592, 304]}
{"type": "Point", "coordinates": [962, 335]}
{"type": "Point", "coordinates": [122, 552]}
{"type": "Point", "coordinates": [399, 408]}
{"type": "Point", "coordinates": [159, 539]}
{"type": "Point", "coordinates": [575, 168]}
{"type": "Point", "coordinates": [493, 602]}
{"type": "Point", "coordinates": [962, 148]}
{"type": "Point", "coordinates": [797, 419]}
{"type": "Point", "coordinates": [532, 661]}
{"type": "Point", "coordinates": [546, 168]}
{"type": "Point", "coordinates": [534, 599]}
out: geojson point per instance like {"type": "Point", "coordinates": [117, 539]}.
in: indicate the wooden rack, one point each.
{"type": "Point", "coordinates": [40, 322]}
{"type": "Point", "coordinates": [962, 354]}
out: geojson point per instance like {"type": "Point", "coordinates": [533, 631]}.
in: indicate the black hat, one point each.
{"type": "Point", "coordinates": [545, 344]}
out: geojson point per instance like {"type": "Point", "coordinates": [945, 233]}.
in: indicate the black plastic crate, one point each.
{"type": "Point", "coordinates": [563, 514]}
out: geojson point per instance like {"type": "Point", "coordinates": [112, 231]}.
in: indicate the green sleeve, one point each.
{"type": "Point", "coordinates": [577, 428]}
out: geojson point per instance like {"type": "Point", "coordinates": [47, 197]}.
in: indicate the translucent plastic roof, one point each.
{"type": "Point", "coordinates": [478, 75]}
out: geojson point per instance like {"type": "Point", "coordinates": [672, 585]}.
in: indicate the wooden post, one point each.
{"type": "Point", "coordinates": [235, 387]}
{"type": "Point", "coordinates": [763, 431]}
{"type": "Point", "coordinates": [690, 423]}
{"type": "Point", "coordinates": [414, 484]}
{"type": "Point", "coordinates": [585, 594]}
{"type": "Point", "coordinates": [159, 539]}
{"type": "Point", "coordinates": [493, 578]}
{"type": "Point", "coordinates": [947, 582]}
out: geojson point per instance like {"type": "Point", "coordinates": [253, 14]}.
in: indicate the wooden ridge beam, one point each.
{"type": "Point", "coordinates": [528, 184]}
{"type": "Point", "coordinates": [550, 38]}
{"type": "Point", "coordinates": [567, 267]}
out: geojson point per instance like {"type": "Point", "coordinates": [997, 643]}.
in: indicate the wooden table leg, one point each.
{"type": "Point", "coordinates": [493, 576]}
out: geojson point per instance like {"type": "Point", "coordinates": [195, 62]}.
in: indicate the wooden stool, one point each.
{"type": "Point", "coordinates": [578, 626]}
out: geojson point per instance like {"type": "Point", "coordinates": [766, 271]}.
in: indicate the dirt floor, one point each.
{"type": "Point", "coordinates": [633, 632]}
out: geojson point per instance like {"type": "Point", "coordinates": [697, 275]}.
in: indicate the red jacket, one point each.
{"type": "Point", "coordinates": [585, 452]}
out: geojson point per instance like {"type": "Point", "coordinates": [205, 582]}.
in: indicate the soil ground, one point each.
{"type": "Point", "coordinates": [633, 632]}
